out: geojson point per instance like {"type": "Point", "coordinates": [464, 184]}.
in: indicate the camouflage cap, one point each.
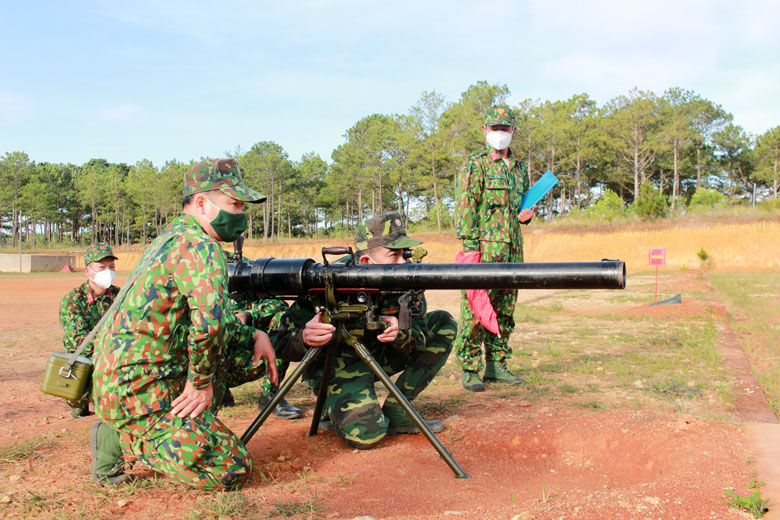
{"type": "Point", "coordinates": [383, 230]}
{"type": "Point", "coordinates": [499, 115]}
{"type": "Point", "coordinates": [97, 252]}
{"type": "Point", "coordinates": [222, 175]}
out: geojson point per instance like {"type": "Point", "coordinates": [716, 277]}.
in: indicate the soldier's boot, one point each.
{"type": "Point", "coordinates": [283, 410]}
{"type": "Point", "coordinates": [399, 422]}
{"type": "Point", "coordinates": [325, 422]}
{"type": "Point", "coordinates": [471, 381]}
{"type": "Point", "coordinates": [228, 401]}
{"type": "Point", "coordinates": [78, 413]}
{"type": "Point", "coordinates": [107, 461]}
{"type": "Point", "coordinates": [497, 372]}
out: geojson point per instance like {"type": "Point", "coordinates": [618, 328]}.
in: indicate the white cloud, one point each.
{"type": "Point", "coordinates": [122, 113]}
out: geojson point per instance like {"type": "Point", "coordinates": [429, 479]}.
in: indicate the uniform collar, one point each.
{"type": "Point", "coordinates": [187, 220]}
{"type": "Point", "coordinates": [494, 155]}
{"type": "Point", "coordinates": [91, 298]}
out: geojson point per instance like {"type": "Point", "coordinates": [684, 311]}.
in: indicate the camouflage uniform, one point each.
{"type": "Point", "coordinates": [174, 326]}
{"type": "Point", "coordinates": [419, 353]}
{"type": "Point", "coordinates": [265, 315]}
{"type": "Point", "coordinates": [80, 311]}
{"type": "Point", "coordinates": [489, 195]}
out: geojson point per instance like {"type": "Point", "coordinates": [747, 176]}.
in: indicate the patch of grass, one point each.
{"type": "Point", "coordinates": [143, 484]}
{"type": "Point", "coordinates": [224, 504]}
{"type": "Point", "coordinates": [568, 389]}
{"type": "Point", "coordinates": [591, 405]}
{"type": "Point", "coordinates": [527, 314]}
{"type": "Point", "coordinates": [754, 316]}
{"type": "Point", "coordinates": [345, 481]}
{"type": "Point", "coordinates": [674, 388]}
{"type": "Point", "coordinates": [23, 450]}
{"type": "Point", "coordinates": [754, 504]}
{"type": "Point", "coordinates": [551, 367]}
{"type": "Point", "coordinates": [440, 408]}
{"type": "Point", "coordinates": [294, 509]}
{"type": "Point", "coordinates": [546, 493]}
{"type": "Point", "coordinates": [309, 475]}
{"type": "Point", "coordinates": [33, 503]}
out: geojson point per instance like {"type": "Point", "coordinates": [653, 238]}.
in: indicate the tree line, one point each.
{"type": "Point", "coordinates": [657, 153]}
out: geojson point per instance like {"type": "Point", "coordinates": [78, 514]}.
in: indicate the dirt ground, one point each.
{"type": "Point", "coordinates": [525, 459]}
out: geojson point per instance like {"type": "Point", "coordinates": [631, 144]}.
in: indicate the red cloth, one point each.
{"type": "Point", "coordinates": [478, 298]}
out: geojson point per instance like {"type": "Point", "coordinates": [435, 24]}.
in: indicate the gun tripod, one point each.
{"type": "Point", "coordinates": [337, 313]}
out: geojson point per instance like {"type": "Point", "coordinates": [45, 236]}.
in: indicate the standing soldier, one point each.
{"type": "Point", "coordinates": [82, 308]}
{"type": "Point", "coordinates": [163, 361]}
{"type": "Point", "coordinates": [352, 408]}
{"type": "Point", "coordinates": [489, 194]}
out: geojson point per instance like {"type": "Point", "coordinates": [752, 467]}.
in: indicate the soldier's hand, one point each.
{"type": "Point", "coordinates": [191, 402]}
{"type": "Point", "coordinates": [391, 331]}
{"type": "Point", "coordinates": [526, 215]}
{"type": "Point", "coordinates": [243, 317]}
{"type": "Point", "coordinates": [316, 333]}
{"type": "Point", "coordinates": [264, 350]}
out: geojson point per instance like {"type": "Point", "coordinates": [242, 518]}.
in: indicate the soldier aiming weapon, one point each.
{"type": "Point", "coordinates": [347, 290]}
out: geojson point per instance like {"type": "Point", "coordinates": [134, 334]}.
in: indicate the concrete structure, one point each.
{"type": "Point", "coordinates": [10, 263]}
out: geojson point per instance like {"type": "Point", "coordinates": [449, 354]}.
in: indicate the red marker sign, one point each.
{"type": "Point", "coordinates": [658, 256]}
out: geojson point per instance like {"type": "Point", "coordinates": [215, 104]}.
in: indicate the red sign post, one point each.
{"type": "Point", "coordinates": [657, 257]}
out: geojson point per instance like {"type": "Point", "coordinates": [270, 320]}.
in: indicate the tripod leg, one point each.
{"type": "Point", "coordinates": [369, 360]}
{"type": "Point", "coordinates": [308, 358]}
{"type": "Point", "coordinates": [322, 391]}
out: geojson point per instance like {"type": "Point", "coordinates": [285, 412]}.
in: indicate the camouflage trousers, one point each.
{"type": "Point", "coordinates": [266, 386]}
{"type": "Point", "coordinates": [236, 369]}
{"type": "Point", "coordinates": [200, 452]}
{"type": "Point", "coordinates": [81, 405]}
{"type": "Point", "coordinates": [352, 402]}
{"type": "Point", "coordinates": [472, 336]}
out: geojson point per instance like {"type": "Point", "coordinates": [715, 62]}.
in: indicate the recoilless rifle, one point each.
{"type": "Point", "coordinates": [345, 290]}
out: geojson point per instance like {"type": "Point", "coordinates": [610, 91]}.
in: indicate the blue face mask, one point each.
{"type": "Point", "coordinates": [228, 226]}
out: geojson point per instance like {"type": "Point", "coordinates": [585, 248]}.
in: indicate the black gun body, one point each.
{"type": "Point", "coordinates": [271, 277]}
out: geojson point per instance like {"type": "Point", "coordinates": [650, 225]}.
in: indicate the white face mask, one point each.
{"type": "Point", "coordinates": [498, 139]}
{"type": "Point", "coordinates": [103, 278]}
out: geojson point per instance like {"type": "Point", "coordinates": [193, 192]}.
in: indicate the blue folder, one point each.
{"type": "Point", "coordinates": [539, 190]}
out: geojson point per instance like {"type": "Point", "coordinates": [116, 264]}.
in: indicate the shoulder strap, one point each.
{"type": "Point", "coordinates": [119, 297]}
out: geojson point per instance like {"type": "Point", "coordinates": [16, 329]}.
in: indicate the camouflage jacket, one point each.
{"type": "Point", "coordinates": [264, 314]}
{"type": "Point", "coordinates": [173, 325]}
{"type": "Point", "coordinates": [489, 195]}
{"type": "Point", "coordinates": [289, 333]}
{"type": "Point", "coordinates": [80, 311]}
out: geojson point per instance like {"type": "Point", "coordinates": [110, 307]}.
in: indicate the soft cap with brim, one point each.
{"type": "Point", "coordinates": [383, 230]}
{"type": "Point", "coordinates": [222, 175]}
{"type": "Point", "coordinates": [97, 252]}
{"type": "Point", "coordinates": [499, 115]}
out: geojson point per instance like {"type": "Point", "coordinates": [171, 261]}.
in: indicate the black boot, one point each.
{"type": "Point", "coordinates": [228, 401]}
{"type": "Point", "coordinates": [283, 410]}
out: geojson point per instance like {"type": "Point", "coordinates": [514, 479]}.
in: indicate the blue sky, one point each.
{"type": "Point", "coordinates": [185, 79]}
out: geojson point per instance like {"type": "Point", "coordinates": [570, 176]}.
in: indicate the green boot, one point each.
{"type": "Point", "coordinates": [107, 462]}
{"type": "Point", "coordinates": [496, 371]}
{"type": "Point", "coordinates": [399, 422]}
{"type": "Point", "coordinates": [471, 382]}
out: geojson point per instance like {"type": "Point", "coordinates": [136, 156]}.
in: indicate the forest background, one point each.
{"type": "Point", "coordinates": [640, 155]}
